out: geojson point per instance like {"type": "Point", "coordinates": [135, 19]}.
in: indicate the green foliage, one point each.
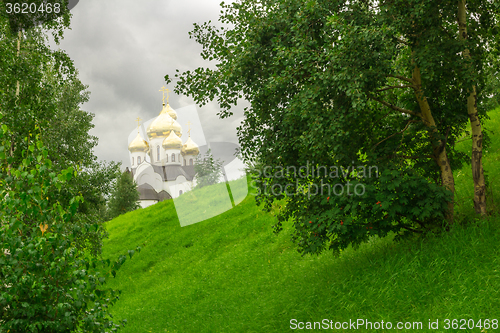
{"type": "Point", "coordinates": [208, 170]}
{"type": "Point", "coordinates": [492, 87]}
{"type": "Point", "coordinates": [49, 14]}
{"type": "Point", "coordinates": [49, 96]}
{"type": "Point", "coordinates": [465, 193]}
{"type": "Point", "coordinates": [330, 83]}
{"type": "Point", "coordinates": [231, 274]}
{"type": "Point", "coordinates": [124, 197]}
{"type": "Point", "coordinates": [48, 283]}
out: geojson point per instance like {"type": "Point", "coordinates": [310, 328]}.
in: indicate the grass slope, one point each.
{"type": "Point", "coordinates": [232, 274]}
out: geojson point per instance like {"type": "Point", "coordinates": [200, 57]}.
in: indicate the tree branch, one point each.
{"type": "Point", "coordinates": [402, 78]}
{"type": "Point", "coordinates": [415, 157]}
{"type": "Point", "coordinates": [390, 136]}
{"type": "Point", "coordinates": [396, 108]}
{"type": "Point", "coordinates": [396, 87]}
{"type": "Point", "coordinates": [443, 143]}
{"type": "Point", "coordinates": [381, 118]}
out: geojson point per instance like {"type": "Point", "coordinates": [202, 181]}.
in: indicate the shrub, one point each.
{"type": "Point", "coordinates": [48, 284]}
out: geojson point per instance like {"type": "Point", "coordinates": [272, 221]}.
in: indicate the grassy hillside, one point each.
{"type": "Point", "coordinates": [232, 274]}
{"type": "Point", "coordinates": [491, 164]}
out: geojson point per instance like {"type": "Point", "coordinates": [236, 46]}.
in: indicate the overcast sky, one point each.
{"type": "Point", "coordinates": [123, 49]}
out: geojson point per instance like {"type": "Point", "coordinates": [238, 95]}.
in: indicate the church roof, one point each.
{"type": "Point", "coordinates": [172, 141]}
{"type": "Point", "coordinates": [171, 112]}
{"type": "Point", "coordinates": [189, 169]}
{"type": "Point", "coordinates": [171, 172]}
{"type": "Point", "coordinates": [164, 124]}
{"type": "Point", "coordinates": [138, 144]}
{"type": "Point", "coordinates": [163, 195]}
{"type": "Point", "coordinates": [147, 192]}
{"type": "Point", "coordinates": [190, 148]}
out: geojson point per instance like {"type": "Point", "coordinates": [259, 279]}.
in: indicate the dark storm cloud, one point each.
{"type": "Point", "coordinates": [123, 49]}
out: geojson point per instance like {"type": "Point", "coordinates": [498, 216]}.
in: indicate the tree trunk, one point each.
{"type": "Point", "coordinates": [477, 133]}
{"type": "Point", "coordinates": [20, 35]}
{"type": "Point", "coordinates": [440, 154]}
{"type": "Point", "coordinates": [18, 54]}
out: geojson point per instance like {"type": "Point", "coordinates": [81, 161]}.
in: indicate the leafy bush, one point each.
{"type": "Point", "coordinates": [400, 201]}
{"type": "Point", "coordinates": [48, 283]}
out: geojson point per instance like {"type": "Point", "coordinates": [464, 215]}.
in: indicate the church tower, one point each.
{"type": "Point", "coordinates": [138, 148]}
{"type": "Point", "coordinates": [159, 130]}
{"type": "Point", "coordinates": [169, 171]}
{"type": "Point", "coordinates": [172, 145]}
{"type": "Point", "coordinates": [189, 150]}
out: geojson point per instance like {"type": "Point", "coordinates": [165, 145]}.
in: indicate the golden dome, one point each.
{"type": "Point", "coordinates": [190, 148]}
{"type": "Point", "coordinates": [171, 112]}
{"type": "Point", "coordinates": [163, 125]}
{"type": "Point", "coordinates": [172, 141]}
{"type": "Point", "coordinates": [138, 145]}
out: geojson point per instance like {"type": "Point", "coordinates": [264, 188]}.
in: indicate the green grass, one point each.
{"type": "Point", "coordinates": [232, 274]}
{"type": "Point", "coordinates": [464, 191]}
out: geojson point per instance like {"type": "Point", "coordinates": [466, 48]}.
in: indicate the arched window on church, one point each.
{"type": "Point", "coordinates": [157, 153]}
{"type": "Point", "coordinates": [184, 161]}
{"type": "Point", "coordinates": [138, 160]}
{"type": "Point", "coordinates": [166, 158]}
{"type": "Point", "coordinates": [173, 157]}
{"type": "Point", "coordinates": [190, 161]}
{"type": "Point", "coordinates": [132, 161]}
{"type": "Point", "coordinates": [180, 192]}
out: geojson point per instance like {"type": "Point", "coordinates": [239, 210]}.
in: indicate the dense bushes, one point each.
{"type": "Point", "coordinates": [49, 284]}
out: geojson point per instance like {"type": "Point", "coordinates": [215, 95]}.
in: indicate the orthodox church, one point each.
{"type": "Point", "coordinates": [168, 170]}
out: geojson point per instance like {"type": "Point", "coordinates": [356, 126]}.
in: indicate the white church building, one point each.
{"type": "Point", "coordinates": [168, 170]}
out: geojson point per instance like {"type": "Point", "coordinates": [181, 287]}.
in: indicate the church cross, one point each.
{"type": "Point", "coordinates": [138, 121]}
{"type": "Point", "coordinates": [164, 90]}
{"type": "Point", "coordinates": [189, 127]}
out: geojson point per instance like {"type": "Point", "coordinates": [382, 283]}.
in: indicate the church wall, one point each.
{"type": "Point", "coordinates": [153, 146]}
{"type": "Point", "coordinates": [145, 174]}
{"type": "Point", "coordinates": [177, 153]}
{"type": "Point", "coordinates": [134, 156]}
{"type": "Point", "coordinates": [188, 159]}
{"type": "Point", "coordinates": [180, 184]}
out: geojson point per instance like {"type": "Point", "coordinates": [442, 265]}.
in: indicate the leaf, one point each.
{"type": "Point", "coordinates": [43, 228]}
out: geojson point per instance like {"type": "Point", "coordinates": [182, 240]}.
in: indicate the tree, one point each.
{"type": "Point", "coordinates": [51, 278]}
{"type": "Point", "coordinates": [48, 283]}
{"type": "Point", "coordinates": [22, 17]}
{"type": "Point", "coordinates": [472, 110]}
{"type": "Point", "coordinates": [40, 87]}
{"type": "Point", "coordinates": [346, 85]}
{"type": "Point", "coordinates": [207, 169]}
{"type": "Point", "coordinates": [124, 197]}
